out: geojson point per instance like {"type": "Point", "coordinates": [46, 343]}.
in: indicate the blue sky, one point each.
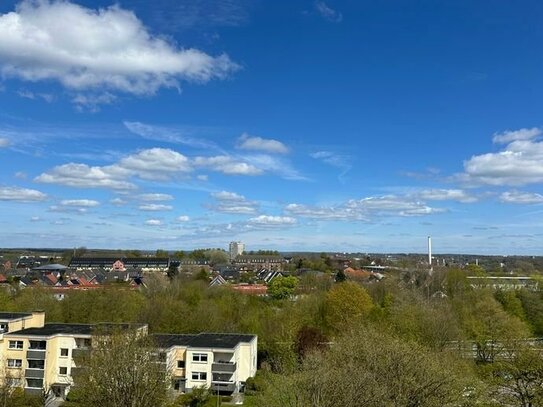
{"type": "Point", "coordinates": [290, 125]}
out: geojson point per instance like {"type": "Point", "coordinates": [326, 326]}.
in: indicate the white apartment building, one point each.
{"type": "Point", "coordinates": [220, 362]}
{"type": "Point", "coordinates": [236, 249]}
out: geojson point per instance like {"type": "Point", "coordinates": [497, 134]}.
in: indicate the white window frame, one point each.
{"type": "Point", "coordinates": [201, 376]}
{"type": "Point", "coordinates": [16, 347]}
{"type": "Point", "coordinates": [15, 363]}
{"type": "Point", "coordinates": [199, 357]}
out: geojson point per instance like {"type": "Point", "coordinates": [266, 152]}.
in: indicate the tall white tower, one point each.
{"type": "Point", "coordinates": [236, 249]}
{"type": "Point", "coordinates": [430, 251]}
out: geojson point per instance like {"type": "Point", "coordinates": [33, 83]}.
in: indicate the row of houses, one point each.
{"type": "Point", "coordinates": [42, 358]}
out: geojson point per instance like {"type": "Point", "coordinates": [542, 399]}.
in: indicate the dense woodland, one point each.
{"type": "Point", "coordinates": [404, 341]}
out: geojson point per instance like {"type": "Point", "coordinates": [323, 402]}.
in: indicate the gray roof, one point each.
{"type": "Point", "coordinates": [72, 329]}
{"type": "Point", "coordinates": [14, 315]}
{"type": "Point", "coordinates": [203, 340]}
{"type": "Point", "coordinates": [50, 267]}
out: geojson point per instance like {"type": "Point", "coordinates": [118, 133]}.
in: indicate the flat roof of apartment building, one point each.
{"type": "Point", "coordinates": [203, 340]}
{"type": "Point", "coordinates": [14, 315]}
{"type": "Point", "coordinates": [73, 329]}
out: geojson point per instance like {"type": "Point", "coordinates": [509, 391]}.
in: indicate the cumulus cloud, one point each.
{"type": "Point", "coordinates": [87, 49]}
{"type": "Point", "coordinates": [327, 12]}
{"type": "Point", "coordinates": [83, 203]}
{"type": "Point", "coordinates": [160, 164]}
{"type": "Point", "coordinates": [17, 194]}
{"type": "Point", "coordinates": [155, 207]}
{"type": "Point", "coordinates": [227, 165]}
{"type": "Point", "coordinates": [4, 142]}
{"type": "Point", "coordinates": [231, 202]}
{"type": "Point", "coordinates": [510, 136]}
{"type": "Point", "coordinates": [153, 222]}
{"type": "Point", "coordinates": [365, 209]}
{"type": "Point", "coordinates": [182, 218]}
{"type": "Point", "coordinates": [458, 195]}
{"type": "Point", "coordinates": [248, 142]}
{"type": "Point", "coordinates": [267, 220]}
{"type": "Point", "coordinates": [517, 197]}
{"type": "Point", "coordinates": [155, 197]}
{"type": "Point", "coordinates": [84, 176]}
{"type": "Point", "coordinates": [519, 163]}
{"type": "Point", "coordinates": [118, 202]}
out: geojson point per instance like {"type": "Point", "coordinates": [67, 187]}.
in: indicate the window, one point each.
{"type": "Point", "coordinates": [63, 352]}
{"type": "Point", "coordinates": [199, 357]}
{"type": "Point", "coordinates": [15, 363]}
{"type": "Point", "coordinates": [63, 370]}
{"type": "Point", "coordinates": [180, 364]}
{"type": "Point", "coordinates": [199, 376]}
{"type": "Point", "coordinates": [179, 385]}
{"type": "Point", "coordinates": [15, 344]}
{"type": "Point", "coordinates": [34, 383]}
{"type": "Point", "coordinates": [3, 328]}
{"type": "Point", "coordinates": [36, 364]}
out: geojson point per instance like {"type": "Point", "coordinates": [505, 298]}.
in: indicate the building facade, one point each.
{"type": "Point", "coordinates": [220, 362]}
{"type": "Point", "coordinates": [41, 358]}
{"type": "Point", "coordinates": [236, 249]}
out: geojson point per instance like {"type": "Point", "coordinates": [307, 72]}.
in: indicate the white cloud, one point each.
{"type": "Point", "coordinates": [93, 101]}
{"type": "Point", "coordinates": [17, 194]}
{"type": "Point", "coordinates": [118, 202]}
{"type": "Point", "coordinates": [231, 202]}
{"type": "Point", "coordinates": [4, 142]}
{"type": "Point", "coordinates": [84, 176]}
{"type": "Point", "coordinates": [447, 195]}
{"type": "Point", "coordinates": [155, 207]}
{"type": "Point", "coordinates": [227, 165]}
{"type": "Point", "coordinates": [82, 203]}
{"type": "Point", "coordinates": [182, 218]}
{"type": "Point", "coordinates": [155, 197]}
{"type": "Point", "coordinates": [227, 196]}
{"type": "Point", "coordinates": [365, 209]}
{"type": "Point", "coordinates": [510, 136]}
{"type": "Point", "coordinates": [202, 177]}
{"type": "Point", "coordinates": [267, 220]}
{"type": "Point", "coordinates": [519, 163]}
{"type": "Point", "coordinates": [86, 49]}
{"type": "Point", "coordinates": [153, 222]}
{"type": "Point", "coordinates": [26, 94]}
{"type": "Point", "coordinates": [35, 219]}
{"type": "Point", "coordinates": [154, 163]}
{"type": "Point", "coordinates": [517, 197]}
{"type": "Point", "coordinates": [274, 165]}
{"type": "Point", "coordinates": [248, 142]}
{"type": "Point", "coordinates": [327, 12]}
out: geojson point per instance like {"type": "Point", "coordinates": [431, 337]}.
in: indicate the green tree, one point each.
{"type": "Point", "coordinates": [346, 303]}
{"type": "Point", "coordinates": [282, 287]}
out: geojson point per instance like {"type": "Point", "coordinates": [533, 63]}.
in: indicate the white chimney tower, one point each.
{"type": "Point", "coordinates": [430, 251]}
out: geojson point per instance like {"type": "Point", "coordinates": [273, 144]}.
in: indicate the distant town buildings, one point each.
{"type": "Point", "coordinates": [236, 249]}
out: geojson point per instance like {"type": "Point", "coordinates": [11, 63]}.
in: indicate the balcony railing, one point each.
{"type": "Point", "coordinates": [227, 367]}
{"type": "Point", "coordinates": [227, 387]}
{"type": "Point", "coordinates": [35, 354]}
{"type": "Point", "coordinates": [33, 391]}
{"type": "Point", "coordinates": [34, 373]}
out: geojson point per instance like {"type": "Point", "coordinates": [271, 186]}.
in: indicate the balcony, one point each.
{"type": "Point", "coordinates": [223, 387]}
{"type": "Point", "coordinates": [226, 367]}
{"type": "Point", "coordinates": [35, 354]}
{"type": "Point", "coordinates": [34, 373]}
{"type": "Point", "coordinates": [33, 391]}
